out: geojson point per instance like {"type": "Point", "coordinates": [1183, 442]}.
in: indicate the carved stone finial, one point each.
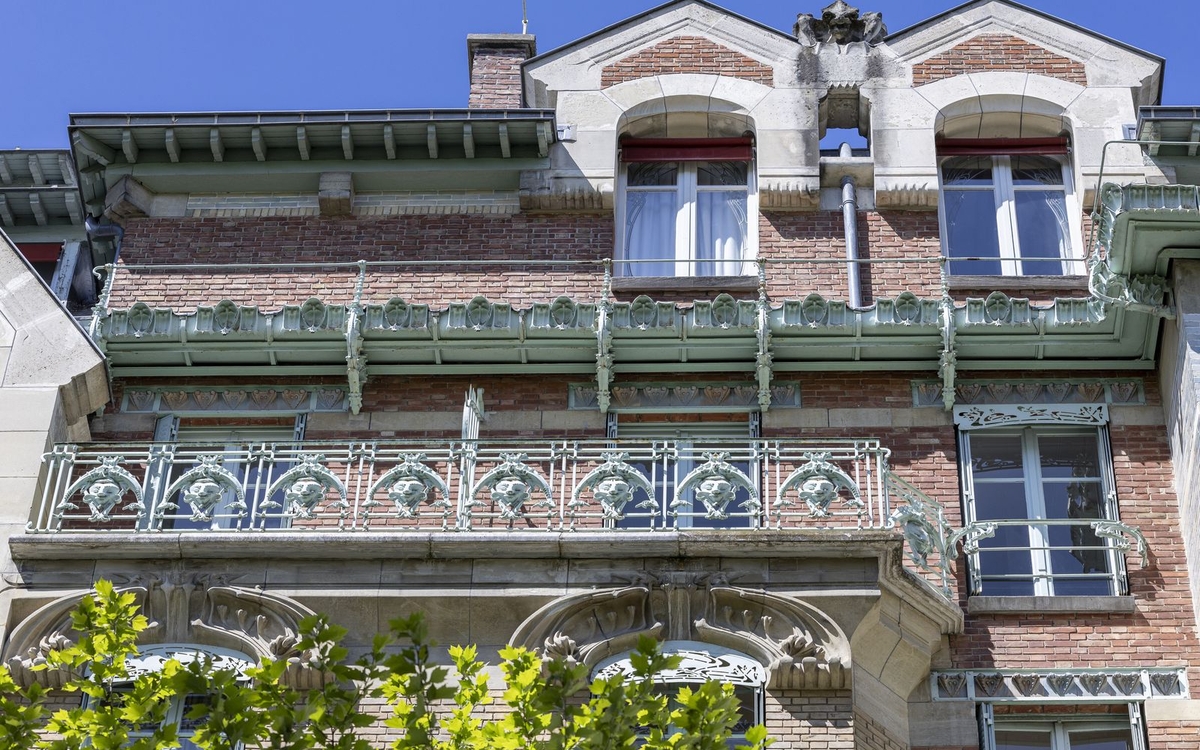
{"type": "Point", "coordinates": [839, 23]}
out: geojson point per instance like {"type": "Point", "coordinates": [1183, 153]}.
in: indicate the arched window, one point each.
{"type": "Point", "coordinates": [152, 658]}
{"type": "Point", "coordinates": [700, 663]}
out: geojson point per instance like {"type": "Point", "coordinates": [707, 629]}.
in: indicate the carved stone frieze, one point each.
{"type": "Point", "coordinates": [1064, 686]}
{"type": "Point", "coordinates": [980, 392]}
{"type": "Point", "coordinates": [182, 607]}
{"type": "Point", "coordinates": [798, 645]}
{"type": "Point", "coordinates": [686, 397]}
{"type": "Point", "coordinates": [221, 399]}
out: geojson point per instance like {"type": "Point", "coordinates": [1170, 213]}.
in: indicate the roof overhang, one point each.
{"type": "Point", "coordinates": [287, 151]}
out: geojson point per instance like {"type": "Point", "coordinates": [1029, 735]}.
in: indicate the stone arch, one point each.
{"type": "Point", "coordinates": [799, 645]}
{"type": "Point", "coordinates": [1002, 104]}
{"type": "Point", "coordinates": [190, 609]}
{"type": "Point", "coordinates": [687, 105]}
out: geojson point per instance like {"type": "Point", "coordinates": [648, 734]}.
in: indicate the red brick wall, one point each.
{"type": "Point", "coordinates": [685, 54]}
{"type": "Point", "coordinates": [532, 238]}
{"type": "Point", "coordinates": [1161, 631]}
{"type": "Point", "coordinates": [496, 78]}
{"type": "Point", "coordinates": [997, 52]}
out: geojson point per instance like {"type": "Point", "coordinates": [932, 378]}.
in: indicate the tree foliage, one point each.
{"type": "Point", "coordinates": [546, 704]}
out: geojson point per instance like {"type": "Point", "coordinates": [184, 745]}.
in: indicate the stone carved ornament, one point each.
{"type": "Point", "coordinates": [840, 23]}
{"type": "Point", "coordinates": [182, 607]}
{"type": "Point", "coordinates": [799, 645]}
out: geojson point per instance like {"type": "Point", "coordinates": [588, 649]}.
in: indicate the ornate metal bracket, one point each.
{"type": "Point", "coordinates": [764, 359]}
{"type": "Point", "coordinates": [1141, 293]}
{"type": "Point", "coordinates": [1120, 534]}
{"type": "Point", "coordinates": [356, 361]}
{"type": "Point", "coordinates": [926, 531]}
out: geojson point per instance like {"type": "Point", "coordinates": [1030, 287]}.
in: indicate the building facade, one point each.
{"type": "Point", "coordinates": [897, 436]}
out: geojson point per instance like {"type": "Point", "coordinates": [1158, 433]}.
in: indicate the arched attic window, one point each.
{"type": "Point", "coordinates": [1008, 203]}
{"type": "Point", "coordinates": [687, 196]}
{"type": "Point", "coordinates": [700, 663]}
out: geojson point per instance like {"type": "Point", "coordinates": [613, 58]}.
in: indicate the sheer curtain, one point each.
{"type": "Point", "coordinates": [720, 233]}
{"type": "Point", "coordinates": [651, 211]}
{"type": "Point", "coordinates": [721, 218]}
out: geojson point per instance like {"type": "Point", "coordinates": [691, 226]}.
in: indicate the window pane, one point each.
{"type": "Point", "coordinates": [996, 457]}
{"type": "Point", "coordinates": [1042, 230]}
{"type": "Point", "coordinates": [971, 231]}
{"type": "Point", "coordinates": [967, 170]}
{"type": "Point", "coordinates": [720, 232]}
{"type": "Point", "coordinates": [650, 232]}
{"type": "Point", "coordinates": [721, 173]}
{"type": "Point", "coordinates": [1101, 739]}
{"type": "Point", "coordinates": [653, 174]}
{"type": "Point", "coordinates": [1009, 739]}
{"type": "Point", "coordinates": [1036, 170]}
{"type": "Point", "coordinates": [1069, 456]}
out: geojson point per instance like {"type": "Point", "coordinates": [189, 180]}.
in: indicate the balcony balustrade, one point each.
{"type": "Point", "coordinates": [554, 485]}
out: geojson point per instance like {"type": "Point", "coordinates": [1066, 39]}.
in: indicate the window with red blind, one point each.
{"type": "Point", "coordinates": [1007, 207]}
{"type": "Point", "coordinates": [686, 207]}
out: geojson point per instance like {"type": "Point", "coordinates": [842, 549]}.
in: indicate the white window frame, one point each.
{"type": "Point", "coordinates": [1059, 727]}
{"type": "Point", "coordinates": [686, 189]}
{"type": "Point", "coordinates": [1039, 535]}
{"type": "Point", "coordinates": [1004, 194]}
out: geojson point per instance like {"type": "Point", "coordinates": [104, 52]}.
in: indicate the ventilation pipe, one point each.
{"type": "Point", "coordinates": [850, 220]}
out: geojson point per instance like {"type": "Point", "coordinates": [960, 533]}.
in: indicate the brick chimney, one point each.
{"type": "Point", "coordinates": [494, 61]}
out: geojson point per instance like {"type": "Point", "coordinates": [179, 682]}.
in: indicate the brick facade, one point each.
{"type": "Point", "coordinates": [685, 54]}
{"type": "Point", "coordinates": [989, 52]}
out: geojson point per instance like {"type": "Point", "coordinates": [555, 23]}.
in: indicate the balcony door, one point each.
{"type": "Point", "coordinates": [254, 454]}
{"type": "Point", "coordinates": [679, 450]}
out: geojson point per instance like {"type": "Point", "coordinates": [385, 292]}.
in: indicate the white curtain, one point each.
{"type": "Point", "coordinates": [720, 232]}
{"type": "Point", "coordinates": [650, 232]}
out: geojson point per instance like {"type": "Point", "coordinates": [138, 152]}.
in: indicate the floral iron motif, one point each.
{"type": "Point", "coordinates": [305, 486]}
{"type": "Point", "coordinates": [511, 485]}
{"type": "Point", "coordinates": [1118, 532]}
{"type": "Point", "coordinates": [988, 684]}
{"type": "Point", "coordinates": [102, 488]}
{"type": "Point", "coordinates": [202, 488]}
{"type": "Point", "coordinates": [716, 483]}
{"type": "Point", "coordinates": [819, 483]}
{"type": "Point", "coordinates": [408, 485]}
{"type": "Point", "coordinates": [614, 483]}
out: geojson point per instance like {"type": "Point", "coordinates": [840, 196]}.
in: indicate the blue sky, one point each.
{"type": "Point", "coordinates": [69, 56]}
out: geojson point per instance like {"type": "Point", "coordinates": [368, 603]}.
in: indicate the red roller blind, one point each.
{"type": "Point", "coordinates": [1001, 146]}
{"type": "Point", "coordinates": [687, 149]}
